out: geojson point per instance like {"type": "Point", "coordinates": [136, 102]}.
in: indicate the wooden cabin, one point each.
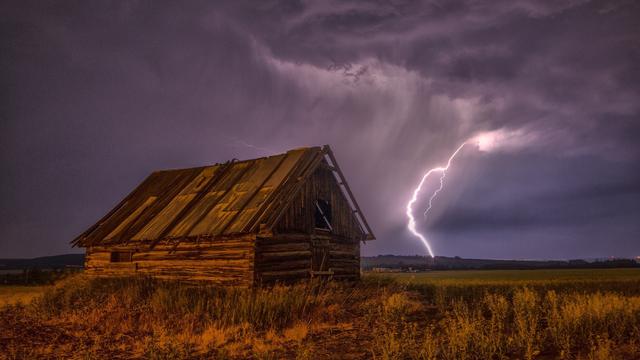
{"type": "Point", "coordinates": [278, 218]}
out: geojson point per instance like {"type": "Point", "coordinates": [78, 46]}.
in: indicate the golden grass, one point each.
{"type": "Point", "coordinates": [297, 332]}
{"type": "Point", "coordinates": [525, 326]}
{"type": "Point", "coordinates": [10, 294]}
{"type": "Point", "coordinates": [376, 318]}
{"type": "Point", "coordinates": [158, 319]}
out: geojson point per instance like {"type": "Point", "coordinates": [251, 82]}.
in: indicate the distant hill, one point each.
{"type": "Point", "coordinates": [457, 263]}
{"type": "Point", "coordinates": [45, 262]}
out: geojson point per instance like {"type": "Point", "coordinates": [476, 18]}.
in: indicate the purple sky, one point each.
{"type": "Point", "coordinates": [97, 94]}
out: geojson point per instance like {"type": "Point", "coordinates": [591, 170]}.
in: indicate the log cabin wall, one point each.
{"type": "Point", "coordinates": [221, 261]}
{"type": "Point", "coordinates": [284, 258]}
{"type": "Point", "coordinates": [298, 250]}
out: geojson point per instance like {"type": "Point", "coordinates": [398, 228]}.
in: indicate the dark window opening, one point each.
{"type": "Point", "coordinates": [120, 256]}
{"type": "Point", "coordinates": [323, 215]}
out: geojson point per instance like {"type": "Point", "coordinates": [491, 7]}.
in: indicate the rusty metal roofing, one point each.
{"type": "Point", "coordinates": [215, 200]}
{"type": "Point", "coordinates": [230, 198]}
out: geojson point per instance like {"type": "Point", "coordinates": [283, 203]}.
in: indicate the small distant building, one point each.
{"type": "Point", "coordinates": [385, 270]}
{"type": "Point", "coordinates": [278, 218]}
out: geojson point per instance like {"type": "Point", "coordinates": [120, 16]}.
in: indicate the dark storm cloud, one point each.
{"type": "Point", "coordinates": [548, 212]}
{"type": "Point", "coordinates": [96, 95]}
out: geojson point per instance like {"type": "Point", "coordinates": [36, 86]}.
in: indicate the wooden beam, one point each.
{"type": "Point", "coordinates": [260, 220]}
{"type": "Point", "coordinates": [223, 172]}
{"type": "Point", "coordinates": [329, 152]}
{"type": "Point", "coordinates": [296, 187]}
{"type": "Point", "coordinates": [149, 214]}
{"type": "Point", "coordinates": [255, 192]}
{"type": "Point", "coordinates": [215, 179]}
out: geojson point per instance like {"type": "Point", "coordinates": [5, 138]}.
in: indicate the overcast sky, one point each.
{"type": "Point", "coordinates": [97, 94]}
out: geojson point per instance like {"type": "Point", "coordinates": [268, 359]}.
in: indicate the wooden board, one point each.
{"type": "Point", "coordinates": [224, 262]}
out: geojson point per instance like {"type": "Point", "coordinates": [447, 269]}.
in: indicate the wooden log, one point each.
{"type": "Point", "coordinates": [285, 274]}
{"type": "Point", "coordinates": [283, 255]}
{"type": "Point", "coordinates": [303, 265]}
{"type": "Point", "coordinates": [290, 246]}
{"type": "Point", "coordinates": [204, 256]}
{"type": "Point", "coordinates": [283, 238]}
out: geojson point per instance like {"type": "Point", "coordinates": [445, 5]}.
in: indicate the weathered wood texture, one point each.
{"type": "Point", "coordinates": [292, 257]}
{"type": "Point", "coordinates": [282, 259]}
{"type": "Point", "coordinates": [224, 262]}
{"type": "Point", "coordinates": [299, 216]}
{"type": "Point", "coordinates": [241, 223]}
{"type": "Point", "coordinates": [298, 250]}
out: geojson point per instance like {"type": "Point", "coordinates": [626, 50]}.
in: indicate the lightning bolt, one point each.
{"type": "Point", "coordinates": [412, 221]}
{"type": "Point", "coordinates": [435, 193]}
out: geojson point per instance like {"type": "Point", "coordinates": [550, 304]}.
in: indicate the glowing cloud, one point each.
{"type": "Point", "coordinates": [502, 139]}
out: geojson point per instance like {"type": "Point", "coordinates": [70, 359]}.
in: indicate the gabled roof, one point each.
{"type": "Point", "coordinates": [212, 201]}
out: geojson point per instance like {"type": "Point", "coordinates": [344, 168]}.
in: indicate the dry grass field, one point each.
{"type": "Point", "coordinates": [10, 294]}
{"type": "Point", "coordinates": [538, 314]}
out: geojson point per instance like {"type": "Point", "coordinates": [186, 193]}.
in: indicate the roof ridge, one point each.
{"type": "Point", "coordinates": [236, 161]}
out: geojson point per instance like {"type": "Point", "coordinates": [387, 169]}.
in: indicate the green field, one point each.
{"type": "Point", "coordinates": [516, 277]}
{"type": "Point", "coordinates": [474, 284]}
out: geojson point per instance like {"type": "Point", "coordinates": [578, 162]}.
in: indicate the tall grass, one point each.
{"type": "Point", "coordinates": [172, 302]}
{"type": "Point", "coordinates": [161, 319]}
{"type": "Point", "coordinates": [442, 293]}
{"type": "Point", "coordinates": [527, 325]}
{"type": "Point", "coordinates": [378, 317]}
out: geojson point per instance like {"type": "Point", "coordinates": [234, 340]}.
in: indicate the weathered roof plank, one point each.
{"type": "Point", "coordinates": [223, 199]}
